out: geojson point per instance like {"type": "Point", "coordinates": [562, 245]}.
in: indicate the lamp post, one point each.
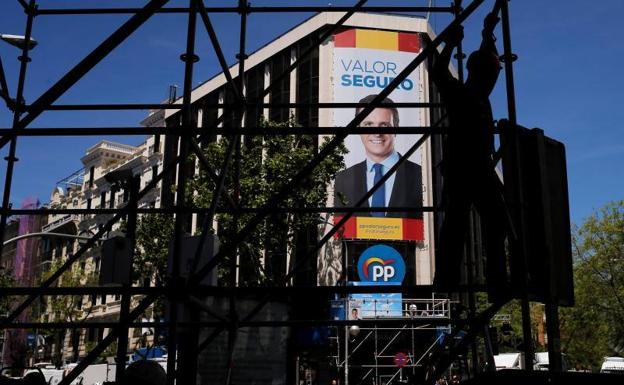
{"type": "Point", "coordinates": [22, 43]}
{"type": "Point", "coordinates": [26, 43]}
{"type": "Point", "coordinates": [19, 41]}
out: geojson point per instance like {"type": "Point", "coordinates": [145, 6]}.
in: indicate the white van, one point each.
{"type": "Point", "coordinates": [613, 365]}
{"type": "Point", "coordinates": [540, 362]}
{"type": "Point", "coordinates": [509, 361]}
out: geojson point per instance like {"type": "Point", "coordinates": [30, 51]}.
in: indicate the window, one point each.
{"type": "Point", "coordinates": [188, 226]}
{"type": "Point", "coordinates": [103, 200]}
{"type": "Point", "coordinates": [170, 152]}
{"type": "Point", "coordinates": [229, 110]}
{"type": "Point", "coordinates": [91, 176]}
{"type": "Point", "coordinates": [209, 117]}
{"type": "Point", "coordinates": [70, 246]}
{"type": "Point", "coordinates": [254, 86]}
{"type": "Point", "coordinates": [92, 334]}
{"type": "Point", "coordinates": [280, 92]}
{"type": "Point", "coordinates": [111, 203]}
{"type": "Point", "coordinates": [156, 143]}
{"type": "Point", "coordinates": [46, 246]}
{"type": "Point", "coordinates": [308, 85]}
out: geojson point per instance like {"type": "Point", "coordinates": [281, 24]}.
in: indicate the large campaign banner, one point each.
{"type": "Point", "coordinates": [364, 63]}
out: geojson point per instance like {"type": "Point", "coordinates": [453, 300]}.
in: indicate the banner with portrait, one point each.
{"type": "Point", "coordinates": [364, 63]}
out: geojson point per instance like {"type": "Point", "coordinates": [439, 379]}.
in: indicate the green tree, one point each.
{"type": "Point", "coordinates": [154, 232]}
{"type": "Point", "coordinates": [67, 308]}
{"type": "Point", "coordinates": [6, 280]}
{"type": "Point", "coordinates": [594, 327]}
{"type": "Point", "coordinates": [510, 336]}
{"type": "Point", "coordinates": [267, 163]}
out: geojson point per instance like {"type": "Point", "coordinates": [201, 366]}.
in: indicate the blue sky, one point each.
{"type": "Point", "coordinates": [568, 80]}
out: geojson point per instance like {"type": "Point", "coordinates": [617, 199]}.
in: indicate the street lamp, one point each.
{"type": "Point", "coordinates": [19, 41]}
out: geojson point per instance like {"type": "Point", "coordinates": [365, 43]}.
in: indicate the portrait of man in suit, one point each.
{"type": "Point", "coordinates": [401, 189]}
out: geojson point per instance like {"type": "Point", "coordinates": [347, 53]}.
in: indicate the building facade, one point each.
{"type": "Point", "coordinates": [321, 77]}
{"type": "Point", "coordinates": [89, 188]}
{"type": "Point", "coordinates": [351, 66]}
{"type": "Point", "coordinates": [20, 265]}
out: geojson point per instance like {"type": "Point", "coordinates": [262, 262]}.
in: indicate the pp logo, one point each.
{"type": "Point", "coordinates": [381, 264]}
{"type": "Point", "coordinates": [380, 269]}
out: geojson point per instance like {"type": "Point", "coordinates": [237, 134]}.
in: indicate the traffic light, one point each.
{"type": "Point", "coordinates": [506, 328]}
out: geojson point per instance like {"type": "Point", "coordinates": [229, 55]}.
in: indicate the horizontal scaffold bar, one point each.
{"type": "Point", "coordinates": [416, 322]}
{"type": "Point", "coordinates": [414, 291]}
{"type": "Point", "coordinates": [200, 210]}
{"type": "Point", "coordinates": [177, 106]}
{"type": "Point", "coordinates": [96, 131]}
{"type": "Point", "coordinates": [249, 9]}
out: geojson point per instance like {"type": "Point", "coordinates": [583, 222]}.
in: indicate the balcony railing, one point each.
{"type": "Point", "coordinates": [60, 222]}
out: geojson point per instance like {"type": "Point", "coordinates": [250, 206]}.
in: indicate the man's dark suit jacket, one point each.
{"type": "Point", "coordinates": [406, 192]}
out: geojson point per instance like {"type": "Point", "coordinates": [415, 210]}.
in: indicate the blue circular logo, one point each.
{"type": "Point", "coordinates": [382, 265]}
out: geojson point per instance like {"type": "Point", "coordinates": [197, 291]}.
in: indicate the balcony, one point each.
{"type": "Point", "coordinates": [60, 222]}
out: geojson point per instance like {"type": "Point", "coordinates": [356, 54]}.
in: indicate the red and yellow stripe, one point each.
{"type": "Point", "coordinates": [375, 39]}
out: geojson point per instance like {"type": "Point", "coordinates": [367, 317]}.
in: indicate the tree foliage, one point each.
{"type": "Point", "coordinates": [154, 232]}
{"type": "Point", "coordinates": [6, 280]}
{"type": "Point", "coordinates": [509, 334]}
{"type": "Point", "coordinates": [266, 164]}
{"type": "Point", "coordinates": [67, 308]}
{"type": "Point", "coordinates": [594, 327]}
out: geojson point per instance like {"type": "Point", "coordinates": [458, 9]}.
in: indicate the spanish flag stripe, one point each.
{"type": "Point", "coordinates": [367, 38]}
{"type": "Point", "coordinates": [409, 42]}
{"type": "Point", "coordinates": [345, 39]}
{"type": "Point", "coordinates": [374, 39]}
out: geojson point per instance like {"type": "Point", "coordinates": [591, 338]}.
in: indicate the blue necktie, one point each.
{"type": "Point", "coordinates": [379, 196]}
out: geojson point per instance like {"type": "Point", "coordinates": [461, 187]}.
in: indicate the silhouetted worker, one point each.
{"type": "Point", "coordinates": [468, 168]}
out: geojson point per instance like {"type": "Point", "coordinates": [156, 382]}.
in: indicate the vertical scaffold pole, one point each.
{"type": "Point", "coordinates": [511, 109]}
{"type": "Point", "coordinates": [189, 58]}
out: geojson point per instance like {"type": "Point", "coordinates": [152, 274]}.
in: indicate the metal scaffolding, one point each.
{"type": "Point", "coordinates": [178, 289]}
